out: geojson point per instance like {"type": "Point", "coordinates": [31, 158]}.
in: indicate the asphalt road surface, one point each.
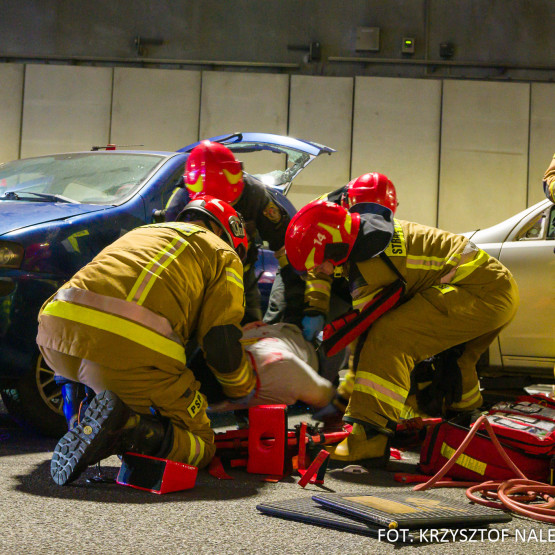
{"type": "Point", "coordinates": [216, 516]}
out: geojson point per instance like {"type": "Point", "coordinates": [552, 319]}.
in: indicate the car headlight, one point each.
{"type": "Point", "coordinates": [11, 255]}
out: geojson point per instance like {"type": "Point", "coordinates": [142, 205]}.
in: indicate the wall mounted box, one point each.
{"type": "Point", "coordinates": [368, 38]}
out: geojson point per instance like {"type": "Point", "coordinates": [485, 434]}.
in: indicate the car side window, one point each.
{"type": "Point", "coordinates": [541, 226]}
{"type": "Point", "coordinates": [175, 181]}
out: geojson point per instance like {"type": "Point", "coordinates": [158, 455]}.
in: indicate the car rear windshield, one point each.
{"type": "Point", "coordinates": [92, 178]}
{"type": "Point", "coordinates": [258, 158]}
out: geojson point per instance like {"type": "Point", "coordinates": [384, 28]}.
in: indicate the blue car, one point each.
{"type": "Point", "coordinates": [58, 211]}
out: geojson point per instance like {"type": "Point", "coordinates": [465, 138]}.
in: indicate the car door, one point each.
{"type": "Point", "coordinates": [529, 254]}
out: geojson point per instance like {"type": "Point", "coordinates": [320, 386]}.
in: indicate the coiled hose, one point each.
{"type": "Point", "coordinates": [515, 495]}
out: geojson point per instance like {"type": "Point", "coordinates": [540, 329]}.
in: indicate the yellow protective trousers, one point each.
{"type": "Point", "coordinates": [433, 320]}
{"type": "Point", "coordinates": [141, 388]}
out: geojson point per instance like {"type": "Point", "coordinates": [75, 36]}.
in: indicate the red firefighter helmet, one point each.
{"type": "Point", "coordinates": [320, 231]}
{"type": "Point", "coordinates": [371, 187]}
{"type": "Point", "coordinates": [212, 169]}
{"type": "Point", "coordinates": [224, 215]}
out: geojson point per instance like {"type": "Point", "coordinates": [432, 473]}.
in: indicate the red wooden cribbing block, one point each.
{"type": "Point", "coordinates": [216, 469]}
{"type": "Point", "coordinates": [317, 467]}
{"type": "Point", "coordinates": [154, 474]}
{"type": "Point", "coordinates": [267, 421]}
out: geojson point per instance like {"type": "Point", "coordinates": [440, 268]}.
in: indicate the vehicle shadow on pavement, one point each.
{"type": "Point", "coordinates": [39, 482]}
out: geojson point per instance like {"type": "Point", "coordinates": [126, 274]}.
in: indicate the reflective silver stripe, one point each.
{"type": "Point", "coordinates": [151, 272]}
{"type": "Point", "coordinates": [197, 449]}
{"type": "Point", "coordinates": [465, 269]}
{"type": "Point", "coordinates": [119, 307]}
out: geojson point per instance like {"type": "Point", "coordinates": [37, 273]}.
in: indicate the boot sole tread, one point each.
{"type": "Point", "coordinates": [77, 450]}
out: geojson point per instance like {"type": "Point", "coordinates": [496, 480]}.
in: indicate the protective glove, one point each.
{"type": "Point", "coordinates": [312, 326]}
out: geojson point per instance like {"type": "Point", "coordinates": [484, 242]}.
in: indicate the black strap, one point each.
{"type": "Point", "coordinates": [392, 267]}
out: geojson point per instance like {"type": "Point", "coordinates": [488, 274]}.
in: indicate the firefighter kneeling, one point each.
{"type": "Point", "coordinates": [454, 293]}
{"type": "Point", "coordinates": [121, 324]}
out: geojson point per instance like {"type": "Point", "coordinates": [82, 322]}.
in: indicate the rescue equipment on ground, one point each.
{"type": "Point", "coordinates": [268, 447]}
{"type": "Point", "coordinates": [267, 420]}
{"type": "Point", "coordinates": [154, 474]}
{"type": "Point", "coordinates": [409, 510]}
{"type": "Point", "coordinates": [317, 469]}
{"type": "Point", "coordinates": [341, 332]}
{"type": "Point", "coordinates": [520, 495]}
{"type": "Point", "coordinates": [480, 461]}
{"type": "Point", "coordinates": [525, 428]}
{"type": "Point", "coordinates": [306, 510]}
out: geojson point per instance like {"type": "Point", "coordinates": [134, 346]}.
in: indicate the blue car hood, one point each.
{"type": "Point", "coordinates": [19, 214]}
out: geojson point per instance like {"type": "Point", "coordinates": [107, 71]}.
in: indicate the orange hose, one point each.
{"type": "Point", "coordinates": [511, 494]}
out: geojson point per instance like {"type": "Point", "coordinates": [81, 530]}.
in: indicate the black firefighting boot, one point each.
{"type": "Point", "coordinates": [108, 427]}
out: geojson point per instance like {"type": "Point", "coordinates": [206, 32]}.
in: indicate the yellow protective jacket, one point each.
{"type": "Point", "coordinates": [140, 300]}
{"type": "Point", "coordinates": [455, 293]}
{"type": "Point", "coordinates": [424, 256]}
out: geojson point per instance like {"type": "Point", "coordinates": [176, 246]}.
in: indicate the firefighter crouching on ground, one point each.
{"type": "Point", "coordinates": [454, 293]}
{"type": "Point", "coordinates": [120, 326]}
{"type": "Point", "coordinates": [213, 170]}
{"type": "Point", "coordinates": [549, 181]}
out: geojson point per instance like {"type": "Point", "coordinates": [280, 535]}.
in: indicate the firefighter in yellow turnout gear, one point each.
{"type": "Point", "coordinates": [121, 325]}
{"type": "Point", "coordinates": [454, 293]}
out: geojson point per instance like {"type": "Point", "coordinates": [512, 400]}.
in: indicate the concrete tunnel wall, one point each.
{"type": "Point", "coordinates": [465, 141]}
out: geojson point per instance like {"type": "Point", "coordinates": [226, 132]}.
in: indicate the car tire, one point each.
{"type": "Point", "coordinates": [35, 401]}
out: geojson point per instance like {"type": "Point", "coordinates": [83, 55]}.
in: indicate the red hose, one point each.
{"type": "Point", "coordinates": [511, 494]}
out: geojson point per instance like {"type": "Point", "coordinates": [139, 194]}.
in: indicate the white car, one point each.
{"type": "Point", "coordinates": [524, 352]}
